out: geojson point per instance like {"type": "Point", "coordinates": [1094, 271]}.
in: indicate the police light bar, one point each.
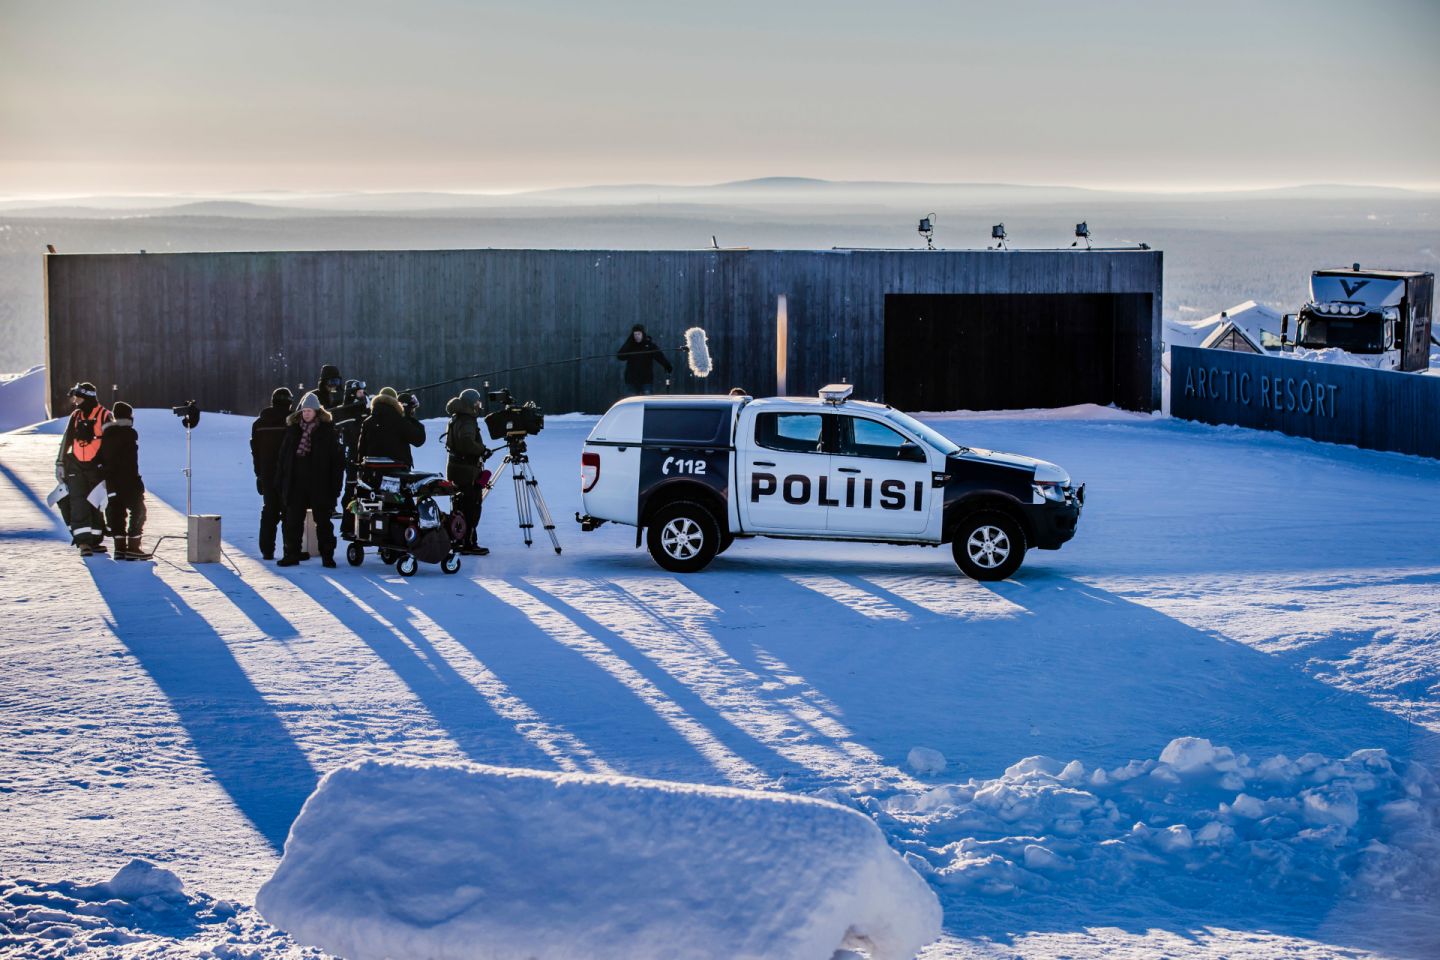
{"type": "Point", "coordinates": [836, 393]}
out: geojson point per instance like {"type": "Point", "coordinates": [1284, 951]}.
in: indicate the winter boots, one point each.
{"type": "Point", "coordinates": [129, 548]}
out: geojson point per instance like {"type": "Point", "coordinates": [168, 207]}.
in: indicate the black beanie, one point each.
{"type": "Point", "coordinates": [639, 326]}
{"type": "Point", "coordinates": [282, 397]}
{"type": "Point", "coordinates": [122, 410]}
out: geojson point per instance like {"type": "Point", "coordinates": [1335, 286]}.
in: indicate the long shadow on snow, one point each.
{"type": "Point", "coordinates": [256, 608]}
{"type": "Point", "coordinates": [455, 705]}
{"type": "Point", "coordinates": [1074, 673]}
{"type": "Point", "coordinates": [57, 524]}
{"type": "Point", "coordinates": [742, 744]}
{"type": "Point", "coordinates": [562, 685]}
{"type": "Point", "coordinates": [236, 732]}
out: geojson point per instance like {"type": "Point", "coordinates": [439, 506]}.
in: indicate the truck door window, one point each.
{"type": "Point", "coordinates": [703, 426]}
{"type": "Point", "coordinates": [790, 432]}
{"type": "Point", "coordinates": [860, 437]}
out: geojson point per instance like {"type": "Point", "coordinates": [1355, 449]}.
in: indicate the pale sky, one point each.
{"type": "Point", "coordinates": [194, 96]}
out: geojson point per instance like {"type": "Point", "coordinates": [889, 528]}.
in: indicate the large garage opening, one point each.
{"type": "Point", "coordinates": [1014, 351]}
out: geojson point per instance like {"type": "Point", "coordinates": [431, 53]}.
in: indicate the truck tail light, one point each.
{"type": "Point", "coordinates": [589, 471]}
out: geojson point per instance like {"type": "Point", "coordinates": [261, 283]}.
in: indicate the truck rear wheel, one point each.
{"type": "Point", "coordinates": [988, 546]}
{"type": "Point", "coordinates": [683, 537]}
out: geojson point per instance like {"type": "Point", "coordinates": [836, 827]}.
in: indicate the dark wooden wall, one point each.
{"type": "Point", "coordinates": [1374, 409]}
{"type": "Point", "coordinates": [979, 351]}
{"type": "Point", "coordinates": [226, 328]}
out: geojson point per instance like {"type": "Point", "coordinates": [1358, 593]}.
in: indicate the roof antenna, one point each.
{"type": "Point", "coordinates": [714, 244]}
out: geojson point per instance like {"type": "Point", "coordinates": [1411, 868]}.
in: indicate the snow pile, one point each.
{"type": "Point", "coordinates": [142, 911]}
{"type": "Point", "coordinates": [1336, 355]}
{"type": "Point", "coordinates": [22, 399]}
{"type": "Point", "coordinates": [415, 860]}
{"type": "Point", "coordinates": [1201, 811]}
{"type": "Point", "coordinates": [926, 761]}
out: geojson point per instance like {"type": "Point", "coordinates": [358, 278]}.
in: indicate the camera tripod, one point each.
{"type": "Point", "coordinates": [528, 499]}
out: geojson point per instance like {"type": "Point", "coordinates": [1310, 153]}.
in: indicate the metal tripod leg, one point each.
{"type": "Point", "coordinates": [538, 499]}
{"type": "Point", "coordinates": [522, 502]}
{"type": "Point", "coordinates": [528, 499]}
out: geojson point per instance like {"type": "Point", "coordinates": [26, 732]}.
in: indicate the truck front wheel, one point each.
{"type": "Point", "coordinates": [683, 537]}
{"type": "Point", "coordinates": [988, 546]}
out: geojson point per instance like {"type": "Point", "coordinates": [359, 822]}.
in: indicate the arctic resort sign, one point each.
{"type": "Point", "coordinates": [1375, 409]}
{"type": "Point", "coordinates": [1273, 391]}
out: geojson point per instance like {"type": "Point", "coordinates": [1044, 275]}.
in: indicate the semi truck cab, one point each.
{"type": "Point", "coordinates": [695, 473]}
{"type": "Point", "coordinates": [1380, 316]}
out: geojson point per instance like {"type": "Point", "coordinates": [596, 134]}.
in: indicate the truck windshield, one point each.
{"type": "Point", "coordinates": [1353, 336]}
{"type": "Point", "coordinates": [932, 437]}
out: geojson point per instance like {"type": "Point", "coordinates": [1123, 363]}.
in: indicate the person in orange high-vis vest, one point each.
{"type": "Point", "coordinates": [78, 467]}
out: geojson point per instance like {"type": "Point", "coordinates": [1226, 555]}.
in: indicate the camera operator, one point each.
{"type": "Point", "coordinates": [309, 473]}
{"type": "Point", "coordinates": [640, 354]}
{"type": "Point", "coordinates": [267, 434]}
{"type": "Point", "coordinates": [77, 465]}
{"type": "Point", "coordinates": [466, 466]}
{"type": "Point", "coordinates": [330, 387]}
{"type": "Point", "coordinates": [390, 431]}
{"type": "Point", "coordinates": [348, 417]}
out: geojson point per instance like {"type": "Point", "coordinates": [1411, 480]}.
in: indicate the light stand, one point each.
{"type": "Point", "coordinates": [927, 230]}
{"type": "Point", "coordinates": [189, 473]}
{"type": "Point", "coordinates": [997, 233]}
{"type": "Point", "coordinates": [1082, 232]}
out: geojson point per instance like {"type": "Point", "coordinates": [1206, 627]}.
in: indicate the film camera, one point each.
{"type": "Point", "coordinates": [513, 422]}
{"type": "Point", "coordinates": [189, 414]}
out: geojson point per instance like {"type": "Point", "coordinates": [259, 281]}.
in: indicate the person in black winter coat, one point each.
{"type": "Point", "coordinates": [466, 466]}
{"type": "Point", "coordinates": [388, 431]}
{"type": "Point", "coordinates": [77, 465]}
{"type": "Point", "coordinates": [348, 418]}
{"type": "Point", "coordinates": [330, 388]}
{"type": "Point", "coordinates": [124, 488]}
{"type": "Point", "coordinates": [267, 434]}
{"type": "Point", "coordinates": [309, 472]}
{"type": "Point", "coordinates": [640, 354]}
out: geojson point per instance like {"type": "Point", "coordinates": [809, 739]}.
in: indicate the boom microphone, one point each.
{"type": "Point", "coordinates": [699, 349]}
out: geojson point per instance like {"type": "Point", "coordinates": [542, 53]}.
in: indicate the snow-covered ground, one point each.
{"type": "Point", "coordinates": [1274, 598]}
{"type": "Point", "coordinates": [22, 398]}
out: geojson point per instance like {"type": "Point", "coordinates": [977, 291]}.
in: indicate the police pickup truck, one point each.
{"type": "Point", "coordinates": [695, 473]}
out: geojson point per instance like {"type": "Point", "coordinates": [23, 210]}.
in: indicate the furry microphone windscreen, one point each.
{"type": "Point", "coordinates": [699, 348]}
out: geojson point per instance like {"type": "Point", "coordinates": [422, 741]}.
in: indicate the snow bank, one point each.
{"type": "Point", "coordinates": [1199, 811]}
{"type": "Point", "coordinates": [142, 911]}
{"type": "Point", "coordinates": [431, 861]}
{"type": "Point", "coordinates": [22, 399]}
{"type": "Point", "coordinates": [1079, 411]}
{"type": "Point", "coordinates": [1334, 355]}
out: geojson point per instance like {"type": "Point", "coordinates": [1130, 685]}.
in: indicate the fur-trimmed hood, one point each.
{"type": "Point", "coordinates": [384, 399]}
{"type": "Point", "coordinates": [118, 422]}
{"type": "Point", "coordinates": [459, 406]}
